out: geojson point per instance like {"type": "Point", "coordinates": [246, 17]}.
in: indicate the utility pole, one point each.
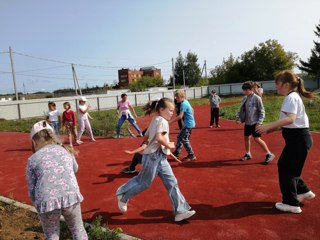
{"type": "Point", "coordinates": [75, 80]}
{"type": "Point", "coordinates": [173, 77]}
{"type": "Point", "coordinates": [205, 68]}
{"type": "Point", "coordinates": [13, 74]}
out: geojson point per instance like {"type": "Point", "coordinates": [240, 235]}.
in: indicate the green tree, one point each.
{"type": "Point", "coordinates": [192, 69]}
{"type": "Point", "coordinates": [263, 62]}
{"type": "Point", "coordinates": [144, 83]}
{"type": "Point", "coordinates": [312, 66]}
{"type": "Point", "coordinates": [178, 69]}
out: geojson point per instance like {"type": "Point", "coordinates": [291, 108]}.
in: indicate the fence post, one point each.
{"type": "Point", "coordinates": [135, 99]}
{"type": "Point", "coordinates": [149, 97]}
{"type": "Point", "coordinates": [19, 111]}
{"type": "Point", "coordinates": [194, 93]}
{"type": "Point", "coordinates": [98, 103]}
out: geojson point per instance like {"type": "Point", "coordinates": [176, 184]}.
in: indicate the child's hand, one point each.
{"type": "Point", "coordinates": [171, 145]}
{"type": "Point", "coordinates": [127, 151]}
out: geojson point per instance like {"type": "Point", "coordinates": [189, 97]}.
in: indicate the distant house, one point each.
{"type": "Point", "coordinates": [127, 76]}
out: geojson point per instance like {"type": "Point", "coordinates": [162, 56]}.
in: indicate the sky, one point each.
{"type": "Point", "coordinates": [102, 36]}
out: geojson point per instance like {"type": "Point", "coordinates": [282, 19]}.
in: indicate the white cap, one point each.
{"type": "Point", "coordinates": [41, 125]}
{"type": "Point", "coordinates": [84, 99]}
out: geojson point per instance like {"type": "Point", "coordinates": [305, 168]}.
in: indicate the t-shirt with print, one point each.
{"type": "Point", "coordinates": [158, 125]}
{"type": "Point", "coordinates": [188, 119]}
{"type": "Point", "coordinates": [293, 104]}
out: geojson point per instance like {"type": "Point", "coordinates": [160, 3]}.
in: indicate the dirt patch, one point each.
{"type": "Point", "coordinates": [17, 223]}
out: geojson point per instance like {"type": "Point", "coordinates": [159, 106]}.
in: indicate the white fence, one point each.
{"type": "Point", "coordinates": [35, 108]}
{"type": "Point", "coordinates": [21, 109]}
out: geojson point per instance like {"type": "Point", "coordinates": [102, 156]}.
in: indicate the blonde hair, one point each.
{"type": "Point", "coordinates": [180, 93]}
{"type": "Point", "coordinates": [296, 83]}
{"type": "Point", "coordinates": [48, 137]}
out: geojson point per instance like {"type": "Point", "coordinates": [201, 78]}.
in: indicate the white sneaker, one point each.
{"type": "Point", "coordinates": [307, 195]}
{"type": "Point", "coordinates": [121, 205]}
{"type": "Point", "coordinates": [182, 216]}
{"type": "Point", "coordinates": [93, 140]}
{"type": "Point", "coordinates": [287, 208]}
{"type": "Point", "coordinates": [79, 142]}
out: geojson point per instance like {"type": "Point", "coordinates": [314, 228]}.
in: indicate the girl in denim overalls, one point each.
{"type": "Point", "coordinates": [154, 162]}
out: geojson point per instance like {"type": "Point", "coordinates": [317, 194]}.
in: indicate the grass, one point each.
{"type": "Point", "coordinates": [105, 122]}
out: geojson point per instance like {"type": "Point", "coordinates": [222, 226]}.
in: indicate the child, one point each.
{"type": "Point", "coordinates": [69, 123]}
{"type": "Point", "coordinates": [137, 157]}
{"type": "Point", "coordinates": [52, 184]}
{"type": "Point", "coordinates": [123, 111]}
{"type": "Point", "coordinates": [294, 123]}
{"type": "Point", "coordinates": [215, 108]}
{"type": "Point", "coordinates": [53, 117]}
{"type": "Point", "coordinates": [257, 89]}
{"type": "Point", "coordinates": [154, 162]}
{"type": "Point", "coordinates": [252, 114]}
{"type": "Point", "coordinates": [186, 112]}
{"type": "Point", "coordinates": [84, 119]}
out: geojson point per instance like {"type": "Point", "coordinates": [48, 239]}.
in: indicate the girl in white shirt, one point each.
{"type": "Point", "coordinates": [53, 117]}
{"type": "Point", "coordinates": [84, 122]}
{"type": "Point", "coordinates": [294, 124]}
{"type": "Point", "coordinates": [154, 162]}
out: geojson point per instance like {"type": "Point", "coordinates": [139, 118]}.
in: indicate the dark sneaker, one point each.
{"type": "Point", "coordinates": [190, 157]}
{"type": "Point", "coordinates": [269, 158]}
{"type": "Point", "coordinates": [128, 170]}
{"type": "Point", "coordinates": [246, 157]}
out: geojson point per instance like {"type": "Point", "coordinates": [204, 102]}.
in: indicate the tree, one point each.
{"type": "Point", "coordinates": [178, 69]}
{"type": "Point", "coordinates": [259, 64]}
{"type": "Point", "coordinates": [192, 69]}
{"type": "Point", "coordinates": [188, 67]}
{"type": "Point", "coordinates": [145, 82]}
{"type": "Point", "coordinates": [312, 66]}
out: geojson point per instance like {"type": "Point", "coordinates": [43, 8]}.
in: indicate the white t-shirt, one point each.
{"type": "Point", "coordinates": [83, 116]}
{"type": "Point", "coordinates": [53, 116]}
{"type": "Point", "coordinates": [157, 125]}
{"type": "Point", "coordinates": [293, 104]}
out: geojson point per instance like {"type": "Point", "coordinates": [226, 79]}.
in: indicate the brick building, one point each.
{"type": "Point", "coordinates": [127, 76]}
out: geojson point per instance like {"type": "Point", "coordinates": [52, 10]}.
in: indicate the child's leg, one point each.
{"type": "Point", "coordinates": [262, 144]}
{"type": "Point", "coordinates": [135, 161]}
{"type": "Point", "coordinates": [247, 144]}
{"type": "Point", "coordinates": [74, 133]}
{"type": "Point", "coordinates": [134, 124]}
{"type": "Point", "coordinates": [120, 122]}
{"type": "Point", "coordinates": [179, 204]}
{"type": "Point", "coordinates": [143, 180]}
{"type": "Point", "coordinates": [73, 218]}
{"type": "Point", "coordinates": [185, 141]}
{"type": "Point", "coordinates": [50, 222]}
{"type": "Point", "coordinates": [81, 130]}
{"type": "Point", "coordinates": [216, 115]}
{"type": "Point", "coordinates": [88, 127]}
{"type": "Point", "coordinates": [211, 116]}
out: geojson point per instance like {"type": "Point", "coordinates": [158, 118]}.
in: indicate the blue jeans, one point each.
{"type": "Point", "coordinates": [131, 121]}
{"type": "Point", "coordinates": [55, 126]}
{"type": "Point", "coordinates": [155, 164]}
{"type": "Point", "coordinates": [183, 140]}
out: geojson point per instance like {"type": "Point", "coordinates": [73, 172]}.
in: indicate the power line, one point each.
{"type": "Point", "coordinates": [32, 70]}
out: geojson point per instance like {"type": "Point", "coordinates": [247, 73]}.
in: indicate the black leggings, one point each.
{"type": "Point", "coordinates": [298, 141]}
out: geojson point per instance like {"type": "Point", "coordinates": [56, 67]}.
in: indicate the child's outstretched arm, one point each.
{"type": "Point", "coordinates": [139, 149]}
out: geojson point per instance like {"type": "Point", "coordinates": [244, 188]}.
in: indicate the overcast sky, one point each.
{"type": "Point", "coordinates": [107, 35]}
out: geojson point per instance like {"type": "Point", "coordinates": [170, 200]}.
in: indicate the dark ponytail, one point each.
{"type": "Point", "coordinates": [154, 106]}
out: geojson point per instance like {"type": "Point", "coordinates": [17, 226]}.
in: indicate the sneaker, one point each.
{"type": "Point", "coordinates": [308, 195]}
{"type": "Point", "coordinates": [287, 208]}
{"type": "Point", "coordinates": [116, 136]}
{"type": "Point", "coordinates": [190, 157]}
{"type": "Point", "coordinates": [140, 135]}
{"type": "Point", "coordinates": [269, 158]}
{"type": "Point", "coordinates": [128, 170]}
{"type": "Point", "coordinates": [246, 157]}
{"type": "Point", "coordinates": [182, 216]}
{"type": "Point", "coordinates": [210, 126]}
{"type": "Point", "coordinates": [93, 140]}
{"type": "Point", "coordinates": [79, 142]}
{"type": "Point", "coordinates": [121, 205]}
{"type": "Point", "coordinates": [218, 126]}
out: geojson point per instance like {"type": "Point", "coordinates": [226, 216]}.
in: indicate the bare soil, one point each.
{"type": "Point", "coordinates": [17, 223]}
